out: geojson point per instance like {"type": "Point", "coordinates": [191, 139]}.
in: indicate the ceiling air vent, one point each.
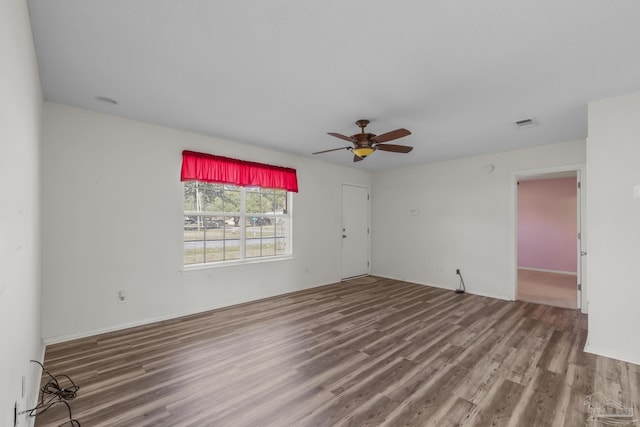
{"type": "Point", "coordinates": [526, 123]}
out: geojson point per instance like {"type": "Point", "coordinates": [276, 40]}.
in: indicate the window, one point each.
{"type": "Point", "coordinates": [234, 209]}
{"type": "Point", "coordinates": [224, 222]}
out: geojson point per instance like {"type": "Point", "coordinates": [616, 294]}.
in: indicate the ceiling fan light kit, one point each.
{"type": "Point", "coordinates": [365, 143]}
{"type": "Point", "coordinates": [363, 151]}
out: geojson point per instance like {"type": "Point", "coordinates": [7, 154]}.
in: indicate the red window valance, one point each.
{"type": "Point", "coordinates": [210, 168]}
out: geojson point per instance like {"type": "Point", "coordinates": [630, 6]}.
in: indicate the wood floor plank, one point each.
{"type": "Point", "coordinates": [366, 352]}
{"type": "Point", "coordinates": [371, 413]}
{"type": "Point", "coordinates": [455, 415]}
{"type": "Point", "coordinates": [353, 398]}
{"type": "Point", "coordinates": [540, 399]}
{"type": "Point", "coordinates": [500, 404]}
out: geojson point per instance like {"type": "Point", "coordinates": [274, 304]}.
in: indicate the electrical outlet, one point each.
{"type": "Point", "coordinates": [122, 297]}
{"type": "Point", "coordinates": [457, 271]}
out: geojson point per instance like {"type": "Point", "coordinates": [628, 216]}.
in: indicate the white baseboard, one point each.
{"type": "Point", "coordinates": [89, 333]}
{"type": "Point", "coordinates": [440, 286]}
{"type": "Point", "coordinates": [606, 353]}
{"type": "Point", "coordinates": [92, 332]}
{"type": "Point", "coordinates": [572, 273]}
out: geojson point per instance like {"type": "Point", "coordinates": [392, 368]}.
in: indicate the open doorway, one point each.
{"type": "Point", "coordinates": [548, 233]}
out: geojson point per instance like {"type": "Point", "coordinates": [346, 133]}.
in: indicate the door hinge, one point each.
{"type": "Point", "coordinates": [367, 197]}
{"type": "Point", "coordinates": [367, 230]}
{"type": "Point", "coordinates": [579, 236]}
{"type": "Point", "coordinates": [367, 263]}
{"type": "Point", "coordinates": [579, 286]}
{"type": "Point", "coordinates": [579, 184]}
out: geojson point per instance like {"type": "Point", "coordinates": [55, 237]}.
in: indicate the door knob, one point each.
{"type": "Point", "coordinates": [583, 253]}
{"type": "Point", "coordinates": [344, 235]}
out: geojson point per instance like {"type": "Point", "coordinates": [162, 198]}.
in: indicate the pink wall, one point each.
{"type": "Point", "coordinates": [547, 224]}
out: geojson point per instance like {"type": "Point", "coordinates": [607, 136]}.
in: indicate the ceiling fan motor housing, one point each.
{"type": "Point", "coordinates": [363, 139]}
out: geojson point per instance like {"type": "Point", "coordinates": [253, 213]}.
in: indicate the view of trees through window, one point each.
{"type": "Point", "coordinates": [225, 222]}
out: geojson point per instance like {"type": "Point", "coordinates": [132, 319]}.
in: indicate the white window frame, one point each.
{"type": "Point", "coordinates": [243, 215]}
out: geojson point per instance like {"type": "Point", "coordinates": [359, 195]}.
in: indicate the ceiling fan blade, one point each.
{"type": "Point", "coordinates": [333, 149]}
{"type": "Point", "coordinates": [394, 148]}
{"type": "Point", "coordinates": [357, 159]}
{"type": "Point", "coordinates": [390, 136]}
{"type": "Point", "coordinates": [338, 135]}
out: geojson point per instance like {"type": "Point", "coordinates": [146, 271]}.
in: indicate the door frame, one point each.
{"type": "Point", "coordinates": [581, 172]}
{"type": "Point", "coordinates": [368, 210]}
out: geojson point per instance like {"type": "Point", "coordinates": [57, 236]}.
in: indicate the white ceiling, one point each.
{"type": "Point", "coordinates": [283, 73]}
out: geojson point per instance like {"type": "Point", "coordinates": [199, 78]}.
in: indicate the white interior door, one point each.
{"type": "Point", "coordinates": [355, 231]}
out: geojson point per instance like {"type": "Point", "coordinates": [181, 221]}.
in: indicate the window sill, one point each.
{"type": "Point", "coordinates": [222, 264]}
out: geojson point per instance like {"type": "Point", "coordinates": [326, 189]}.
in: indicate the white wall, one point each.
{"type": "Point", "coordinates": [613, 218]}
{"type": "Point", "coordinates": [112, 220]}
{"type": "Point", "coordinates": [20, 122]}
{"type": "Point", "coordinates": [466, 218]}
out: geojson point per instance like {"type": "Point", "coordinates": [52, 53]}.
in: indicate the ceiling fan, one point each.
{"type": "Point", "coordinates": [365, 143]}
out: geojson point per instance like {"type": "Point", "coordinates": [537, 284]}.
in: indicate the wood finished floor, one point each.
{"type": "Point", "coordinates": [542, 287]}
{"type": "Point", "coordinates": [370, 351]}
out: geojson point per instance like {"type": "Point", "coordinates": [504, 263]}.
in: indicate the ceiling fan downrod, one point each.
{"type": "Point", "coordinates": [362, 124]}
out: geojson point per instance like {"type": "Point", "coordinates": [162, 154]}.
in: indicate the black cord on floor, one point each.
{"type": "Point", "coordinates": [53, 393]}
{"type": "Point", "coordinates": [461, 288]}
